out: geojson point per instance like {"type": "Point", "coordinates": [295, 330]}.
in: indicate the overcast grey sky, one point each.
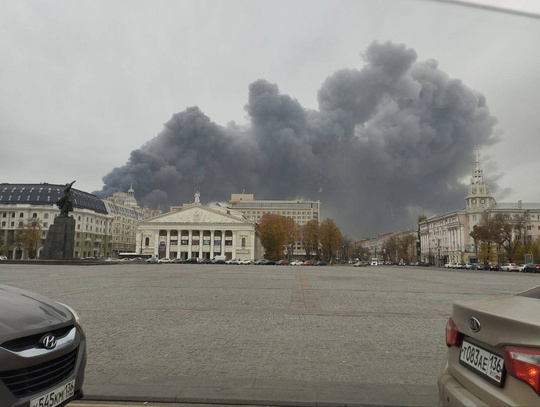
{"type": "Point", "coordinates": [84, 83]}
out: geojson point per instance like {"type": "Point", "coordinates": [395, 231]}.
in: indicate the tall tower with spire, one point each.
{"type": "Point", "coordinates": [479, 197]}
{"type": "Point", "coordinates": [130, 199]}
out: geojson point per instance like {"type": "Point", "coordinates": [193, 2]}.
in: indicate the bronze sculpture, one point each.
{"type": "Point", "coordinates": [66, 202]}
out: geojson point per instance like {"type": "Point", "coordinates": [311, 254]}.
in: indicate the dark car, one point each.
{"type": "Point", "coordinates": [321, 263]}
{"type": "Point", "coordinates": [494, 267]}
{"type": "Point", "coordinates": [191, 260]}
{"type": "Point", "coordinates": [528, 268]}
{"type": "Point", "coordinates": [42, 350]}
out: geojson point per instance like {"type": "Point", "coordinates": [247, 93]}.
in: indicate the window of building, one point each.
{"type": "Point", "coordinates": [243, 242]}
{"type": "Point", "coordinates": [21, 215]}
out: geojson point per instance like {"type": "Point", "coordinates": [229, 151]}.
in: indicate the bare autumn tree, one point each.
{"type": "Point", "coordinates": [310, 238]}
{"type": "Point", "coordinates": [348, 247]}
{"type": "Point", "coordinates": [405, 247]}
{"type": "Point", "coordinates": [277, 231]}
{"type": "Point", "coordinates": [331, 238]}
{"type": "Point", "coordinates": [505, 232]}
{"type": "Point", "coordinates": [29, 236]}
{"type": "Point", "coordinates": [510, 232]}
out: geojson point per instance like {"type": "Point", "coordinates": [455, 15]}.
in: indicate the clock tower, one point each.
{"type": "Point", "coordinates": [479, 197]}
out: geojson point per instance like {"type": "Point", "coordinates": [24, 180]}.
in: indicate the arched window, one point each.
{"type": "Point", "coordinates": [243, 242]}
{"type": "Point", "coordinates": [34, 215]}
{"type": "Point", "coordinates": [147, 241]}
{"type": "Point", "coordinates": [46, 216]}
{"type": "Point", "coordinates": [21, 215]}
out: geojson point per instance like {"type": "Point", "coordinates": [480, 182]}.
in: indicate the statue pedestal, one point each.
{"type": "Point", "coordinates": [60, 239]}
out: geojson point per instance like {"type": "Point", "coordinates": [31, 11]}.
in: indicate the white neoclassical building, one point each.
{"type": "Point", "coordinates": [194, 230]}
{"type": "Point", "coordinates": [446, 238]}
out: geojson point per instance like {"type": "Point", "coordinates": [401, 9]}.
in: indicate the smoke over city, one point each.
{"type": "Point", "coordinates": [389, 141]}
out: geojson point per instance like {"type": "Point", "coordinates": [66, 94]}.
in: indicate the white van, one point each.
{"type": "Point", "coordinates": [219, 259]}
{"type": "Point", "coordinates": [374, 262]}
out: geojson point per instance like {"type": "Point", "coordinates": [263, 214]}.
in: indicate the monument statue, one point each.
{"type": "Point", "coordinates": [66, 202]}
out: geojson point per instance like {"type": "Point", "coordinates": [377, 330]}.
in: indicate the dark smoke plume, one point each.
{"type": "Point", "coordinates": [388, 142]}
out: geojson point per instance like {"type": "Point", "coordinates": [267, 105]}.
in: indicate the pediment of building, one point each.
{"type": "Point", "coordinates": [199, 215]}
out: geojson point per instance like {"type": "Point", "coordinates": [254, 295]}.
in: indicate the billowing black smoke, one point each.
{"type": "Point", "coordinates": [389, 141]}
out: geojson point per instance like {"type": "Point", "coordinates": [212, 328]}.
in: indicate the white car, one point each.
{"type": "Point", "coordinates": [244, 261]}
{"type": "Point", "coordinates": [296, 263]}
{"type": "Point", "coordinates": [165, 260]}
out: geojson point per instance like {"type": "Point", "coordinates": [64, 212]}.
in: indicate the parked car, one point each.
{"type": "Point", "coordinates": [43, 352]}
{"type": "Point", "coordinates": [510, 267]}
{"type": "Point", "coordinates": [177, 261]}
{"type": "Point", "coordinates": [191, 260]}
{"type": "Point", "coordinates": [321, 263]}
{"type": "Point", "coordinates": [3, 257]}
{"type": "Point", "coordinates": [283, 262]}
{"type": "Point", "coordinates": [296, 263]}
{"type": "Point", "coordinates": [493, 352]}
{"type": "Point", "coordinates": [244, 261]}
{"type": "Point", "coordinates": [493, 267]}
{"type": "Point", "coordinates": [164, 260]}
{"type": "Point", "coordinates": [153, 260]}
{"type": "Point", "coordinates": [360, 264]}
{"type": "Point", "coordinates": [308, 263]}
{"type": "Point", "coordinates": [528, 268]}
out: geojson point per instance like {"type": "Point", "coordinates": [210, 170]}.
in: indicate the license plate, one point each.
{"type": "Point", "coordinates": [55, 397]}
{"type": "Point", "coordinates": [483, 362]}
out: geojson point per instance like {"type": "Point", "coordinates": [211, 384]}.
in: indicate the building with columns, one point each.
{"type": "Point", "coordinates": [446, 238]}
{"type": "Point", "coordinates": [194, 230]}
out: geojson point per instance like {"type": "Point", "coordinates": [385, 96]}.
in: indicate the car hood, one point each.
{"type": "Point", "coordinates": [25, 311]}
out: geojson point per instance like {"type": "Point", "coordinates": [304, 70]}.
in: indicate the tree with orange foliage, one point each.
{"type": "Point", "coordinates": [277, 232]}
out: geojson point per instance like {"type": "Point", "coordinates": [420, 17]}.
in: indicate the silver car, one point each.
{"type": "Point", "coordinates": [42, 351]}
{"type": "Point", "coordinates": [493, 352]}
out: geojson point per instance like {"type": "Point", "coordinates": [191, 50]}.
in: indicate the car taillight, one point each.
{"type": "Point", "coordinates": [453, 336]}
{"type": "Point", "coordinates": [523, 364]}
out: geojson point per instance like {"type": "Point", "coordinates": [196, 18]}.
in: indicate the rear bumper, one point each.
{"type": "Point", "coordinates": [452, 393]}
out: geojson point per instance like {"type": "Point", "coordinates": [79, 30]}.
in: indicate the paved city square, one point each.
{"type": "Point", "coordinates": [334, 335]}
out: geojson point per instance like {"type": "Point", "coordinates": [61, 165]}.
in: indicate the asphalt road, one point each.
{"type": "Point", "coordinates": [263, 335]}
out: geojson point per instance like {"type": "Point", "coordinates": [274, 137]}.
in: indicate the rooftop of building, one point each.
{"type": "Point", "coordinates": [47, 194]}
